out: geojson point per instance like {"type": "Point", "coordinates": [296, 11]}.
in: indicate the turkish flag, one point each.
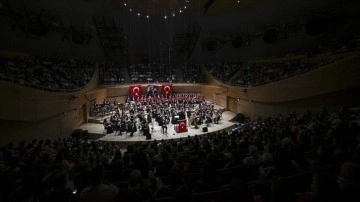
{"type": "Point", "coordinates": [135, 91]}
{"type": "Point", "coordinates": [166, 89]}
{"type": "Point", "coordinates": [182, 126]}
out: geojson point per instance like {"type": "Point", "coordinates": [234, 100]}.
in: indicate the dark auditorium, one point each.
{"type": "Point", "coordinates": [179, 100]}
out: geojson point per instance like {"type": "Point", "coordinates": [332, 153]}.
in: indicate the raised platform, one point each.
{"type": "Point", "coordinates": [97, 129]}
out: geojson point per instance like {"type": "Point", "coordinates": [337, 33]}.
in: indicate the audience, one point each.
{"type": "Point", "coordinates": [98, 190]}
{"type": "Point", "coordinates": [256, 74]}
{"type": "Point", "coordinates": [141, 73]}
{"type": "Point", "coordinates": [271, 152]}
{"type": "Point", "coordinates": [111, 73]}
{"type": "Point", "coordinates": [224, 71]}
{"type": "Point", "coordinates": [192, 74]}
{"type": "Point", "coordinates": [49, 73]}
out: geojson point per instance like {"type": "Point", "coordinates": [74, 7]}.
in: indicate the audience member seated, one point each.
{"type": "Point", "coordinates": [59, 191]}
{"type": "Point", "coordinates": [98, 190]}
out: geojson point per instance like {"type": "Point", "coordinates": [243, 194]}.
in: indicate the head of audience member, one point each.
{"type": "Point", "coordinates": [135, 179]}
{"type": "Point", "coordinates": [97, 174]}
{"type": "Point", "coordinates": [349, 177]}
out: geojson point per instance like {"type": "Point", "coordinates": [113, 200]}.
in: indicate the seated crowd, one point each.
{"type": "Point", "coordinates": [256, 74]}
{"type": "Point", "coordinates": [302, 158]}
{"type": "Point", "coordinates": [223, 71]}
{"type": "Point", "coordinates": [192, 74]}
{"type": "Point", "coordinates": [50, 73]}
{"type": "Point", "coordinates": [141, 73]}
{"type": "Point", "coordinates": [111, 73]}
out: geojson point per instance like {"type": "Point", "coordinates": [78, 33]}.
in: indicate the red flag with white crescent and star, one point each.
{"type": "Point", "coordinates": [166, 89]}
{"type": "Point", "coordinates": [182, 126]}
{"type": "Point", "coordinates": [135, 91]}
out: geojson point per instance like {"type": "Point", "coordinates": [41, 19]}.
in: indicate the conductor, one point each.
{"type": "Point", "coordinates": [147, 131]}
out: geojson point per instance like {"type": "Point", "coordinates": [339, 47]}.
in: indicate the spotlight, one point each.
{"type": "Point", "coordinates": [147, 17]}
{"type": "Point", "coordinates": [138, 14]}
{"type": "Point", "coordinates": [124, 4]}
{"type": "Point", "coordinates": [130, 9]}
{"type": "Point", "coordinates": [180, 11]}
{"type": "Point", "coordinates": [165, 16]}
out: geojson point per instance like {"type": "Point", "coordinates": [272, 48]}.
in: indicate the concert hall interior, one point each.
{"type": "Point", "coordinates": [175, 100]}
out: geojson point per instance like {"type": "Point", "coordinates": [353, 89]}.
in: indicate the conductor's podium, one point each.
{"type": "Point", "coordinates": [180, 126]}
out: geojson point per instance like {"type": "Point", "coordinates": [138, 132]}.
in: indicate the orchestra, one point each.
{"type": "Point", "coordinates": [137, 115]}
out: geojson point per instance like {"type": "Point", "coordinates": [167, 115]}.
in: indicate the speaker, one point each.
{"type": "Point", "coordinates": [205, 129]}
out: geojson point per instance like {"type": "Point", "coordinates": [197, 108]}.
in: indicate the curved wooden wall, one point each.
{"type": "Point", "coordinates": [28, 113]}
{"type": "Point", "coordinates": [331, 85]}
{"type": "Point", "coordinates": [340, 75]}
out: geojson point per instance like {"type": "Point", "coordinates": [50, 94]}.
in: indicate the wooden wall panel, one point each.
{"type": "Point", "coordinates": [33, 104]}
{"type": "Point", "coordinates": [187, 88]}
{"type": "Point", "coordinates": [60, 126]}
{"type": "Point", "coordinates": [217, 94]}
{"type": "Point", "coordinates": [337, 76]}
{"type": "Point", "coordinates": [331, 101]}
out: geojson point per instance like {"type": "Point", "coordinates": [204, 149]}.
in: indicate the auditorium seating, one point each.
{"type": "Point", "coordinates": [199, 153]}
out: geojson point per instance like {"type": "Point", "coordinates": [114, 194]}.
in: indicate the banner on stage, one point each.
{"type": "Point", "coordinates": [135, 91]}
{"type": "Point", "coordinates": [166, 89]}
{"type": "Point", "coordinates": [181, 126]}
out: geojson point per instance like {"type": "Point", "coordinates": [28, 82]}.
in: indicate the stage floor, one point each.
{"type": "Point", "coordinates": [156, 133]}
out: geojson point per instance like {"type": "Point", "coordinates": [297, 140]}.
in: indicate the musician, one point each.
{"type": "Point", "coordinates": [188, 113]}
{"type": "Point", "coordinates": [132, 127]}
{"type": "Point", "coordinates": [107, 126]}
{"type": "Point", "coordinates": [132, 110]}
{"type": "Point", "coordinates": [149, 119]}
{"type": "Point", "coordinates": [208, 120]}
{"type": "Point", "coordinates": [146, 131]}
{"type": "Point", "coordinates": [164, 125]}
{"type": "Point", "coordinates": [114, 119]}
{"type": "Point", "coordinates": [95, 109]}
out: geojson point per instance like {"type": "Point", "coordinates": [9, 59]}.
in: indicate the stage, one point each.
{"type": "Point", "coordinates": [97, 130]}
